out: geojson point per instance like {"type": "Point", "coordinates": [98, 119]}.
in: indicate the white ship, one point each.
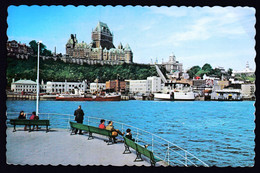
{"type": "Point", "coordinates": [175, 91]}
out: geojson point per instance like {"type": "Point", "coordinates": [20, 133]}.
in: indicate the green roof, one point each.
{"type": "Point", "coordinates": [127, 47]}
{"type": "Point", "coordinates": [25, 82]}
{"type": "Point", "coordinates": [102, 27]}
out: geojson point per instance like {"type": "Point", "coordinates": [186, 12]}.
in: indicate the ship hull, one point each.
{"type": "Point", "coordinates": [112, 98]}
{"type": "Point", "coordinates": [178, 96]}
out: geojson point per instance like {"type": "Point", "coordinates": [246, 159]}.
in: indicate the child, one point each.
{"type": "Point", "coordinates": [129, 136]}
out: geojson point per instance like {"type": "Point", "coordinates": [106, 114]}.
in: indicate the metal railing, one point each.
{"type": "Point", "coordinates": [169, 152]}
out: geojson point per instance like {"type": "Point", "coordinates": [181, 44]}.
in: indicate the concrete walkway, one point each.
{"type": "Point", "coordinates": [59, 147]}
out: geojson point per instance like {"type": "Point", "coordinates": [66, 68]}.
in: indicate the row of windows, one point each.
{"type": "Point", "coordinates": [62, 85]}
{"type": "Point", "coordinates": [25, 86]}
{"type": "Point", "coordinates": [25, 90]}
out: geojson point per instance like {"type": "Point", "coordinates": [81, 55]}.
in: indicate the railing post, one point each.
{"type": "Point", "coordinates": [168, 154]}
{"type": "Point", "coordinates": [152, 143]}
{"type": "Point", "coordinates": [68, 123]}
{"type": "Point", "coordinates": [122, 128]}
{"type": "Point", "coordinates": [88, 120]}
{"type": "Point", "coordinates": [137, 136]}
{"type": "Point", "coordinates": [186, 159]}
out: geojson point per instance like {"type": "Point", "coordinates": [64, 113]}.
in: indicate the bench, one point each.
{"type": "Point", "coordinates": [91, 130]}
{"type": "Point", "coordinates": [139, 150]}
{"type": "Point", "coordinates": [29, 123]}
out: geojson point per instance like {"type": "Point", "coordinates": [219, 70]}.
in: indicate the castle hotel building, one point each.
{"type": "Point", "coordinates": [101, 48]}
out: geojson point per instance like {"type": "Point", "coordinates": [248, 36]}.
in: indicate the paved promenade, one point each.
{"type": "Point", "coordinates": [59, 147]}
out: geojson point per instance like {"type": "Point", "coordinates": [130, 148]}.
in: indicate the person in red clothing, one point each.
{"type": "Point", "coordinates": [34, 117]}
{"type": "Point", "coordinates": [102, 124]}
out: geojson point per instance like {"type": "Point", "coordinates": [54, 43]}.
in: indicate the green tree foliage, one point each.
{"type": "Point", "coordinates": [43, 49]}
{"type": "Point", "coordinates": [59, 71]}
{"type": "Point", "coordinates": [230, 71]}
{"type": "Point", "coordinates": [193, 71]}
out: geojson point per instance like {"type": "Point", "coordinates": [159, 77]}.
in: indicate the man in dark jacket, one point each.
{"type": "Point", "coordinates": [79, 116]}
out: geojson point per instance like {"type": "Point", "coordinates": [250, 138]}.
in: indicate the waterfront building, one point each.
{"type": "Point", "coordinates": [150, 85]}
{"type": "Point", "coordinates": [101, 49]}
{"type": "Point", "coordinates": [247, 71]}
{"type": "Point", "coordinates": [248, 91]}
{"type": "Point", "coordinates": [226, 94]}
{"type": "Point", "coordinates": [117, 86]}
{"type": "Point", "coordinates": [64, 87]}
{"type": "Point", "coordinates": [96, 87]}
{"type": "Point", "coordinates": [24, 86]}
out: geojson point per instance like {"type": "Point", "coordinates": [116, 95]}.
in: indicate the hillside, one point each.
{"type": "Point", "coordinates": [59, 71]}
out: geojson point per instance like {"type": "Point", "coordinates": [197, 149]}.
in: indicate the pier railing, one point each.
{"type": "Point", "coordinates": [169, 152]}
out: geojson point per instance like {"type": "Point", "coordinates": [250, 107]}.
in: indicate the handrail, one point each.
{"type": "Point", "coordinates": [158, 149]}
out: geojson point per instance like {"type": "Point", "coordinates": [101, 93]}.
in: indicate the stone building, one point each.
{"type": "Point", "coordinates": [100, 49]}
{"type": "Point", "coordinates": [173, 66]}
{"type": "Point", "coordinates": [24, 86]}
{"type": "Point", "coordinates": [18, 49]}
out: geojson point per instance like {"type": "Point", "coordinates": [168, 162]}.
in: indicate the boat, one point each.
{"type": "Point", "coordinates": [175, 92]}
{"type": "Point", "coordinates": [79, 96]}
{"type": "Point", "coordinates": [70, 97]}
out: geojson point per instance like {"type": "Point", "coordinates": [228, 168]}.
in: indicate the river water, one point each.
{"type": "Point", "coordinates": [219, 133]}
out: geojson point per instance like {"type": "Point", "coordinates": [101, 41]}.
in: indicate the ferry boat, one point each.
{"type": "Point", "coordinates": [175, 91]}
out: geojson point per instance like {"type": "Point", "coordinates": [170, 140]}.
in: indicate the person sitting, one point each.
{"type": "Point", "coordinates": [22, 116]}
{"type": "Point", "coordinates": [114, 131]}
{"type": "Point", "coordinates": [102, 124]}
{"type": "Point", "coordinates": [129, 136]}
{"type": "Point", "coordinates": [34, 117]}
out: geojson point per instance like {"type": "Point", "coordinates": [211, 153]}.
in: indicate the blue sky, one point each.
{"type": "Point", "coordinates": [196, 35]}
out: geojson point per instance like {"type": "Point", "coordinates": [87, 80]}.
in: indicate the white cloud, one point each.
{"type": "Point", "coordinates": [170, 11]}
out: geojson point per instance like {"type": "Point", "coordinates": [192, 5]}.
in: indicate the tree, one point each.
{"type": "Point", "coordinates": [207, 69]}
{"type": "Point", "coordinates": [193, 70]}
{"type": "Point", "coordinates": [217, 72]}
{"type": "Point", "coordinates": [230, 71]}
{"type": "Point", "coordinates": [43, 51]}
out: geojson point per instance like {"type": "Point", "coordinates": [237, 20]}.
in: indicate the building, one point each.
{"type": "Point", "coordinates": [148, 86]}
{"type": "Point", "coordinates": [24, 86]}
{"type": "Point", "coordinates": [117, 86]}
{"type": "Point", "coordinates": [248, 91]}
{"type": "Point", "coordinates": [64, 87]}
{"type": "Point", "coordinates": [173, 67]}
{"type": "Point", "coordinates": [101, 48]}
{"type": "Point", "coordinates": [96, 87]}
{"type": "Point", "coordinates": [247, 71]}
{"type": "Point", "coordinates": [15, 49]}
{"type": "Point", "coordinates": [226, 94]}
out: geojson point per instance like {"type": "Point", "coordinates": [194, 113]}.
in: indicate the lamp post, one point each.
{"type": "Point", "coordinates": [38, 72]}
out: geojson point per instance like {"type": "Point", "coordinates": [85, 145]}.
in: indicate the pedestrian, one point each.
{"type": "Point", "coordinates": [79, 116]}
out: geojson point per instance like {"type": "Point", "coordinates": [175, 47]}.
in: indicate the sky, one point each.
{"type": "Point", "coordinates": [220, 36]}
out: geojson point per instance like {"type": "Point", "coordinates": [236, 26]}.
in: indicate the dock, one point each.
{"type": "Point", "coordinates": [59, 147]}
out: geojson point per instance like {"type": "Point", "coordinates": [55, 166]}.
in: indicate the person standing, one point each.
{"type": "Point", "coordinates": [79, 116]}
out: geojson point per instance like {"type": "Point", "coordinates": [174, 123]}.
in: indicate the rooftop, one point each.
{"type": "Point", "coordinates": [59, 147]}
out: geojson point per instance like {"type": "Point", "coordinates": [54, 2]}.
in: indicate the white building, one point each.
{"type": "Point", "coordinates": [64, 87]}
{"type": "Point", "coordinates": [248, 90]}
{"type": "Point", "coordinates": [151, 85]}
{"type": "Point", "coordinates": [24, 85]}
{"type": "Point", "coordinates": [247, 71]}
{"type": "Point", "coordinates": [155, 84]}
{"type": "Point", "coordinates": [172, 65]}
{"type": "Point", "coordinates": [94, 87]}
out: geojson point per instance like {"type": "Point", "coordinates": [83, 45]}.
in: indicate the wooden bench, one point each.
{"type": "Point", "coordinates": [29, 123]}
{"type": "Point", "coordinates": [91, 130]}
{"type": "Point", "coordinates": [139, 150]}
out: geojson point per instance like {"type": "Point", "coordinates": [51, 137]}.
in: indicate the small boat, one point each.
{"type": "Point", "coordinates": [175, 92]}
